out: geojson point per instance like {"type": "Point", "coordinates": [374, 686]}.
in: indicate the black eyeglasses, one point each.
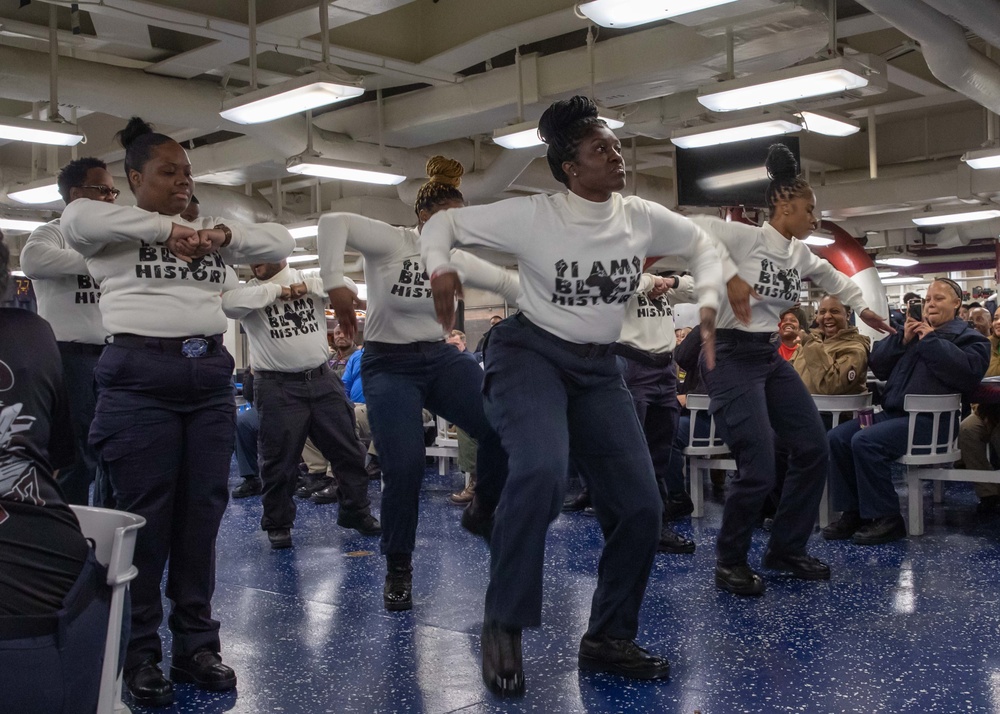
{"type": "Point", "coordinates": [104, 190]}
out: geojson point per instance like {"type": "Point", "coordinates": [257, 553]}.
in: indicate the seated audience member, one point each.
{"type": "Point", "coordinates": [982, 428]}
{"type": "Point", "coordinates": [790, 325]}
{"type": "Point", "coordinates": [980, 318]}
{"type": "Point", "coordinates": [833, 359]}
{"type": "Point", "coordinates": [247, 430]}
{"type": "Point", "coordinates": [468, 448]}
{"type": "Point", "coordinates": [482, 340]}
{"type": "Point", "coordinates": [897, 316]}
{"type": "Point", "coordinates": [54, 599]}
{"type": "Point", "coordinates": [963, 313]}
{"type": "Point", "coordinates": [939, 354]}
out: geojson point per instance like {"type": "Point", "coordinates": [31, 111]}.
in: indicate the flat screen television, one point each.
{"type": "Point", "coordinates": [728, 174]}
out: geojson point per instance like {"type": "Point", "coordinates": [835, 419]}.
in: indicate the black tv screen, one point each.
{"type": "Point", "coordinates": [728, 174]}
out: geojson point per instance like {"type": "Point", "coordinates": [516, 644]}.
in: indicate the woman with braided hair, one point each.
{"type": "Point", "coordinates": [753, 387]}
{"type": "Point", "coordinates": [552, 384]}
{"type": "Point", "coordinates": [407, 365]}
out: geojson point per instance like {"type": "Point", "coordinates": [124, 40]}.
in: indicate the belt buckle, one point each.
{"type": "Point", "coordinates": [194, 347]}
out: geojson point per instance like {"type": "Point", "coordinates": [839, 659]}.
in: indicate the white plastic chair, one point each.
{"type": "Point", "coordinates": [941, 449]}
{"type": "Point", "coordinates": [445, 446]}
{"type": "Point", "coordinates": [703, 453]}
{"type": "Point", "coordinates": [113, 534]}
{"type": "Point", "coordinates": [835, 405]}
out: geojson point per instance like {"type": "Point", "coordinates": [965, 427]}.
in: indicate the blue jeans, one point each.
{"type": "Point", "coordinates": [754, 391]}
{"type": "Point", "coordinates": [546, 401]}
{"type": "Point", "coordinates": [398, 385]}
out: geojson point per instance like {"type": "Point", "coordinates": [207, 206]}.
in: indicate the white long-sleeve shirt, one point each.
{"type": "Point", "coordinates": [579, 261]}
{"type": "Point", "coordinates": [400, 304]}
{"type": "Point", "coordinates": [649, 322]}
{"type": "Point", "coordinates": [68, 297]}
{"type": "Point", "coordinates": [775, 267]}
{"type": "Point", "coordinates": [145, 290]}
{"type": "Point", "coordinates": [285, 335]}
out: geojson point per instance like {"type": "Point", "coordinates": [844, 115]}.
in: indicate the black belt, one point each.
{"type": "Point", "coordinates": [194, 347]}
{"type": "Point", "coordinates": [389, 348]}
{"type": "Point", "coordinates": [589, 350]}
{"type": "Point", "coordinates": [742, 336]}
{"type": "Point", "coordinates": [307, 376]}
{"type": "Point", "coordinates": [650, 359]}
{"type": "Point", "coordinates": [80, 348]}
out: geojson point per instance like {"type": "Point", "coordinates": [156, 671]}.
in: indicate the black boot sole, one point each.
{"type": "Point", "coordinates": [184, 677]}
{"type": "Point", "coordinates": [163, 700]}
{"type": "Point", "coordinates": [590, 664]}
{"type": "Point", "coordinates": [751, 591]}
{"type": "Point", "coordinates": [393, 606]}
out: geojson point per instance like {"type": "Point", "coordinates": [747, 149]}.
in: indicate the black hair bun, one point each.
{"type": "Point", "coordinates": [563, 114]}
{"type": "Point", "coordinates": [135, 128]}
{"type": "Point", "coordinates": [781, 163]}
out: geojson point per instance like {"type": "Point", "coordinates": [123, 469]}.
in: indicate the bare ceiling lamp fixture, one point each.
{"type": "Point", "coordinates": [629, 13]}
{"type": "Point", "coordinates": [325, 84]}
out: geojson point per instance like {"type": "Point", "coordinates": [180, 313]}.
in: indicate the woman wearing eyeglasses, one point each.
{"type": "Point", "coordinates": [165, 420]}
{"type": "Point", "coordinates": [935, 353]}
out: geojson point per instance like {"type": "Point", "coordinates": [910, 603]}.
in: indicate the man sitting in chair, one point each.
{"type": "Point", "coordinates": [935, 353]}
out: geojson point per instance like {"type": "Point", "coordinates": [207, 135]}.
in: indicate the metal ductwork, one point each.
{"type": "Point", "coordinates": [980, 16]}
{"type": "Point", "coordinates": [946, 51]}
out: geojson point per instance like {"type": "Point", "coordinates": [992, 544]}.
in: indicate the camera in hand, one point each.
{"type": "Point", "coordinates": [915, 310]}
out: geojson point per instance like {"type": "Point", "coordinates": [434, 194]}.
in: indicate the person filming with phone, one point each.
{"type": "Point", "coordinates": [935, 353]}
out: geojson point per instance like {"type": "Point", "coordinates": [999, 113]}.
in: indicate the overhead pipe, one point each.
{"type": "Point", "coordinates": [980, 16]}
{"type": "Point", "coordinates": [946, 51]}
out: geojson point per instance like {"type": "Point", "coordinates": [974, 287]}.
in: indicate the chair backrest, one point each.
{"type": "Point", "coordinates": [837, 404]}
{"type": "Point", "coordinates": [710, 445]}
{"type": "Point", "coordinates": [113, 534]}
{"type": "Point", "coordinates": [945, 411]}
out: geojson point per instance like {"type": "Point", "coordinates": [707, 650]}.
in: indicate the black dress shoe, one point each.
{"type": "Point", "coordinates": [397, 595]}
{"type": "Point", "coordinates": [802, 566]}
{"type": "Point", "coordinates": [328, 494]}
{"type": "Point", "coordinates": [572, 504]}
{"type": "Point", "coordinates": [311, 483]}
{"type": "Point", "coordinates": [622, 657]}
{"type": "Point", "coordinates": [738, 580]}
{"type": "Point", "coordinates": [251, 486]}
{"type": "Point", "coordinates": [677, 507]}
{"type": "Point", "coordinates": [844, 527]}
{"type": "Point", "coordinates": [503, 673]}
{"type": "Point", "coordinates": [364, 523]}
{"type": "Point", "coordinates": [881, 530]}
{"type": "Point", "coordinates": [205, 670]}
{"type": "Point", "coordinates": [147, 685]}
{"type": "Point", "coordinates": [673, 542]}
{"type": "Point", "coordinates": [477, 520]}
{"type": "Point", "coordinates": [280, 538]}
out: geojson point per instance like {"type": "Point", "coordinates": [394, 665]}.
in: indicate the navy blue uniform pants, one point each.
{"type": "Point", "coordinates": [674, 477]}
{"type": "Point", "coordinates": [861, 469]}
{"type": "Point", "coordinates": [291, 408]}
{"type": "Point", "coordinates": [398, 385]}
{"type": "Point", "coordinates": [79, 362]}
{"type": "Point", "coordinates": [165, 427]}
{"type": "Point", "coordinates": [59, 672]}
{"type": "Point", "coordinates": [754, 391]}
{"type": "Point", "coordinates": [247, 429]}
{"type": "Point", "coordinates": [545, 401]}
{"type": "Point", "coordinates": [654, 393]}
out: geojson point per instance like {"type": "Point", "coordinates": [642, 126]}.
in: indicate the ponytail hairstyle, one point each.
{"type": "Point", "coordinates": [138, 139]}
{"type": "Point", "coordinates": [443, 179]}
{"type": "Point", "coordinates": [783, 170]}
{"type": "Point", "coordinates": [562, 127]}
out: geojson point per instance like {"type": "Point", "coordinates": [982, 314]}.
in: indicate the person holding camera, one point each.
{"type": "Point", "coordinates": [936, 353]}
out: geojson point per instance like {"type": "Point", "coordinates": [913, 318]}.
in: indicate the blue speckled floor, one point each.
{"type": "Point", "coordinates": [908, 627]}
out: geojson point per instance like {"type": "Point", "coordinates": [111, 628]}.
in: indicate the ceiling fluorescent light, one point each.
{"type": "Point", "coordinates": [819, 238]}
{"type": "Point", "coordinates": [525, 134]}
{"type": "Point", "coordinates": [983, 158]}
{"type": "Point", "coordinates": [940, 218]}
{"type": "Point", "coordinates": [13, 224]}
{"type": "Point", "coordinates": [46, 191]}
{"type": "Point", "coordinates": [309, 91]}
{"type": "Point", "coordinates": [343, 170]}
{"type": "Point", "coordinates": [297, 258]}
{"type": "Point", "coordinates": [887, 273]}
{"type": "Point", "coordinates": [629, 13]}
{"type": "Point", "coordinates": [898, 262]}
{"type": "Point", "coordinates": [906, 280]}
{"type": "Point", "coordinates": [304, 231]}
{"type": "Point", "coordinates": [830, 124]}
{"type": "Point", "coordinates": [40, 132]}
{"type": "Point", "coordinates": [862, 75]}
{"type": "Point", "coordinates": [728, 131]}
